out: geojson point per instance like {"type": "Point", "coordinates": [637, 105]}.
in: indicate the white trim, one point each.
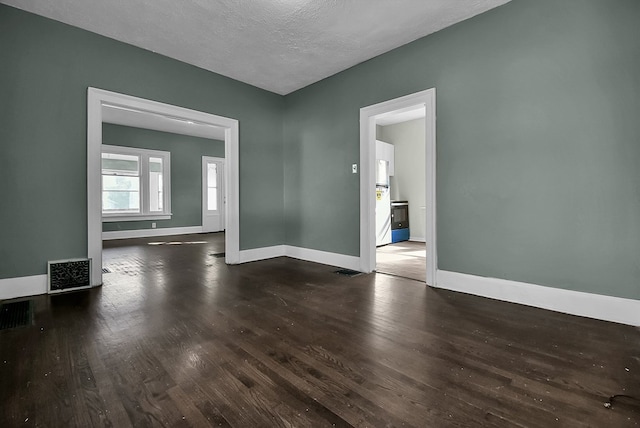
{"type": "Point", "coordinates": [96, 98]}
{"type": "Point", "coordinates": [114, 219]}
{"type": "Point", "coordinates": [12, 288]}
{"type": "Point", "coordinates": [144, 156]}
{"type": "Point", "coordinates": [323, 257]}
{"type": "Point", "coordinates": [417, 239]}
{"type": "Point", "coordinates": [607, 308]}
{"type": "Point", "coordinates": [368, 117]}
{"type": "Point", "coordinates": [316, 256]}
{"type": "Point", "coordinates": [232, 192]}
{"type": "Point", "coordinates": [257, 254]}
{"type": "Point", "coordinates": [147, 233]}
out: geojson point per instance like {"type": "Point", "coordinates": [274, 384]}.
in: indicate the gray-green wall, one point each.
{"type": "Point", "coordinates": [538, 144]}
{"type": "Point", "coordinates": [45, 69]}
{"type": "Point", "coordinates": [186, 171]}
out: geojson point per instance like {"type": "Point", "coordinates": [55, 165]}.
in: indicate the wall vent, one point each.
{"type": "Point", "coordinates": [71, 274]}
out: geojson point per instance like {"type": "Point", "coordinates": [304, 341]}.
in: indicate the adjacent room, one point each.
{"type": "Point", "coordinates": [310, 213]}
{"type": "Point", "coordinates": [401, 216]}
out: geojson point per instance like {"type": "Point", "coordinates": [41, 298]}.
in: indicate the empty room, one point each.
{"type": "Point", "coordinates": [194, 194]}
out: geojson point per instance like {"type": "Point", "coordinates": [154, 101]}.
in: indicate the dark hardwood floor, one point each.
{"type": "Point", "coordinates": [177, 338]}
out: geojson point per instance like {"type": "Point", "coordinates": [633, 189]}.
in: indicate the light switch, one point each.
{"type": "Point", "coordinates": [354, 168]}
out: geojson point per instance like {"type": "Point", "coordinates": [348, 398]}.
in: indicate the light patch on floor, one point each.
{"type": "Point", "coordinates": [406, 259]}
{"type": "Point", "coordinates": [178, 243]}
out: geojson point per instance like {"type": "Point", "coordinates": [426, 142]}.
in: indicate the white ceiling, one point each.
{"type": "Point", "coordinates": [277, 45]}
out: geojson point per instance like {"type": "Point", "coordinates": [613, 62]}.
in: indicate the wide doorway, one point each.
{"type": "Point", "coordinates": [103, 106]}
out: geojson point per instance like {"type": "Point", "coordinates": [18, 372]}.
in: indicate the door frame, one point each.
{"type": "Point", "coordinates": [205, 162]}
{"type": "Point", "coordinates": [96, 99]}
{"type": "Point", "coordinates": [368, 116]}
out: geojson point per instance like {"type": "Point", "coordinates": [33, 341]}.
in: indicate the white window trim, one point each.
{"type": "Point", "coordinates": [144, 155]}
{"type": "Point", "coordinates": [112, 218]}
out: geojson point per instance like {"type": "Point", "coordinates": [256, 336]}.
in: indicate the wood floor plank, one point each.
{"type": "Point", "coordinates": [209, 410]}
{"type": "Point", "coordinates": [111, 410]}
{"type": "Point", "coordinates": [191, 415]}
{"type": "Point", "coordinates": [175, 337]}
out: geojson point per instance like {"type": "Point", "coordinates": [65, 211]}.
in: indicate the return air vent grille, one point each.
{"type": "Point", "coordinates": [348, 272]}
{"type": "Point", "coordinates": [15, 314]}
{"type": "Point", "coordinates": [65, 275]}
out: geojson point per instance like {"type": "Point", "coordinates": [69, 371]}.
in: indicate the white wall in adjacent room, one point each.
{"type": "Point", "coordinates": [408, 183]}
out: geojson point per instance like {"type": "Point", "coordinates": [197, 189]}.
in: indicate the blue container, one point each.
{"type": "Point", "coordinates": [399, 235]}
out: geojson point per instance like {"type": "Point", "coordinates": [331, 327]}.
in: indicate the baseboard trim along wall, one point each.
{"type": "Point", "coordinates": [607, 308]}
{"type": "Point", "coordinates": [323, 257]}
{"type": "Point", "coordinates": [148, 233]}
{"type": "Point", "coordinates": [597, 306]}
{"type": "Point", "coordinates": [12, 288]}
{"type": "Point", "coordinates": [264, 253]}
{"type": "Point", "coordinates": [316, 256]}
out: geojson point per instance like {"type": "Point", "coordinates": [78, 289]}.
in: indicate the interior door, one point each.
{"type": "Point", "coordinates": [213, 202]}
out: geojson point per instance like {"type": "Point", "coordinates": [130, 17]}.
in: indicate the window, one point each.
{"type": "Point", "coordinates": [212, 186]}
{"type": "Point", "coordinates": [135, 184]}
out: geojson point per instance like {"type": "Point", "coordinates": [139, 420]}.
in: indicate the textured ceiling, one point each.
{"type": "Point", "coordinates": [278, 45]}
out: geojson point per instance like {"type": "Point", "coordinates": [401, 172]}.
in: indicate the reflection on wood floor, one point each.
{"type": "Point", "coordinates": [405, 259]}
{"type": "Point", "coordinates": [177, 338]}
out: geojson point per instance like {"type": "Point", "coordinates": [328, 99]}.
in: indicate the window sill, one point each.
{"type": "Point", "coordinates": [129, 217]}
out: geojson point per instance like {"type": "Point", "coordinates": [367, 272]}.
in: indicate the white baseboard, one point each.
{"type": "Point", "coordinates": [323, 257]}
{"type": "Point", "coordinates": [607, 308]}
{"type": "Point", "coordinates": [11, 288]}
{"type": "Point", "coordinates": [417, 239]}
{"type": "Point", "coordinates": [264, 253]}
{"type": "Point", "coordinates": [147, 233]}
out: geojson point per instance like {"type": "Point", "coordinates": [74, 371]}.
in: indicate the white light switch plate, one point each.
{"type": "Point", "coordinates": [354, 168]}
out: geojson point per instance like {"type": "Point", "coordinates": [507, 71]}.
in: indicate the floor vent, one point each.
{"type": "Point", "coordinates": [218, 255]}
{"type": "Point", "coordinates": [348, 272]}
{"type": "Point", "coordinates": [15, 314]}
{"type": "Point", "coordinates": [65, 275]}
{"type": "Point", "coordinates": [106, 270]}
